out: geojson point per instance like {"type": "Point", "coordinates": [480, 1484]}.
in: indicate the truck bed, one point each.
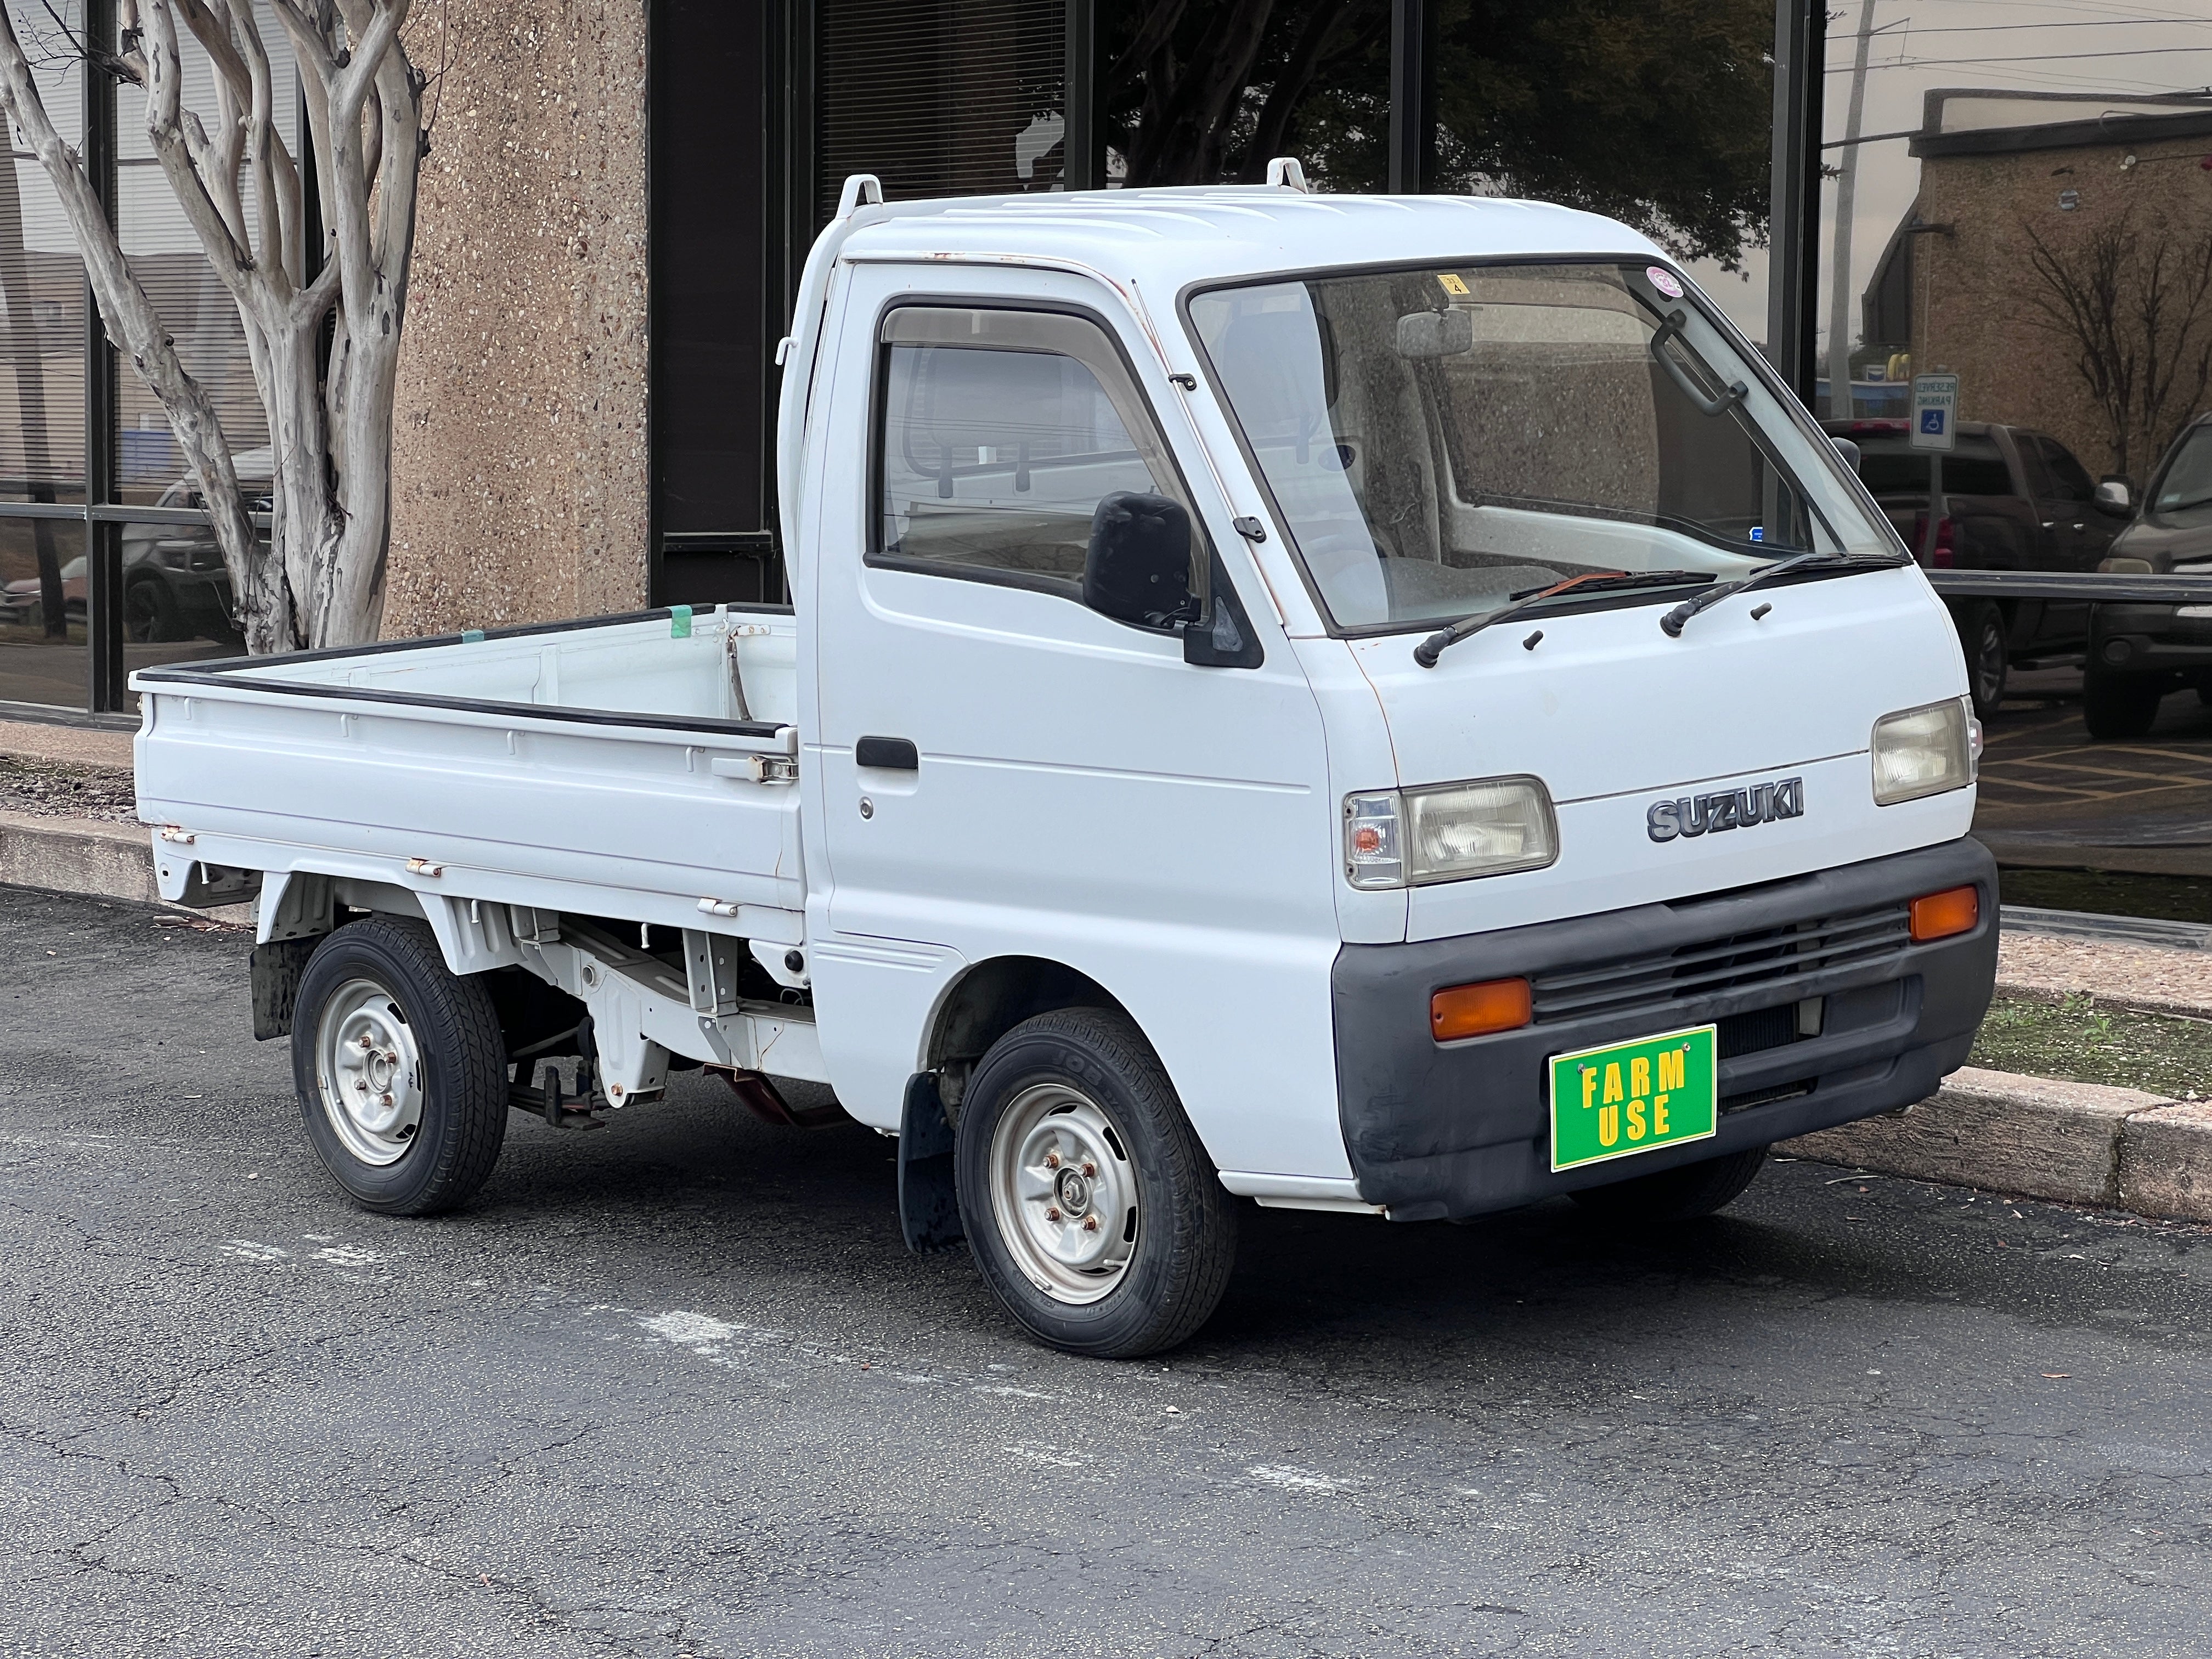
{"type": "Point", "coordinates": [612, 768]}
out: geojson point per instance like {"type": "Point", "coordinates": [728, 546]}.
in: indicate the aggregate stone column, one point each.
{"type": "Point", "coordinates": [520, 467]}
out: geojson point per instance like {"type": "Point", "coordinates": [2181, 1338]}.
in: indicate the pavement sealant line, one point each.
{"type": "Point", "coordinates": [2075, 1143]}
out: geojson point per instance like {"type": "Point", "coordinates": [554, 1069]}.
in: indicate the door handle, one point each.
{"type": "Point", "coordinates": [2083, 525]}
{"type": "Point", "coordinates": [887, 754]}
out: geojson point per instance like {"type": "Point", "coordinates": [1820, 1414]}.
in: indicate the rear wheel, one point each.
{"type": "Point", "coordinates": [148, 612]}
{"type": "Point", "coordinates": [400, 1068]}
{"type": "Point", "coordinates": [1091, 1208]}
{"type": "Point", "coordinates": [1982, 637]}
{"type": "Point", "coordinates": [1677, 1195]}
{"type": "Point", "coordinates": [2120, 705]}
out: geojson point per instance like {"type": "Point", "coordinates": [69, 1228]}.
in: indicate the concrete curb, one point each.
{"type": "Point", "coordinates": [94, 859]}
{"type": "Point", "coordinates": [2072, 1143]}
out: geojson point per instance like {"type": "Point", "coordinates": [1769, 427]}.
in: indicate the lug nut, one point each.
{"type": "Point", "coordinates": [1052, 1212]}
{"type": "Point", "coordinates": [1090, 1223]}
{"type": "Point", "coordinates": [1089, 1168]}
{"type": "Point", "coordinates": [385, 1100]}
{"type": "Point", "coordinates": [1052, 1160]}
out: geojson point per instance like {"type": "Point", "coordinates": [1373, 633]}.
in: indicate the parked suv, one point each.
{"type": "Point", "coordinates": [2139, 653]}
{"type": "Point", "coordinates": [2013, 500]}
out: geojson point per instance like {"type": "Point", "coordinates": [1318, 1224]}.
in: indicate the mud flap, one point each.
{"type": "Point", "coordinates": [929, 1207]}
{"type": "Point", "coordinates": [276, 970]}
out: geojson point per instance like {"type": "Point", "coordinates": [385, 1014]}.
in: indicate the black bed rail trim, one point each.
{"type": "Point", "coordinates": [514, 711]}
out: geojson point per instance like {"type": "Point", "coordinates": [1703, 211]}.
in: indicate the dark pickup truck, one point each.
{"type": "Point", "coordinates": [2139, 653]}
{"type": "Point", "coordinates": [2013, 500]}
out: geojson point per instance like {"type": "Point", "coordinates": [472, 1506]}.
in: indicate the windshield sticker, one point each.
{"type": "Point", "coordinates": [1451, 284]}
{"type": "Point", "coordinates": [1665, 280]}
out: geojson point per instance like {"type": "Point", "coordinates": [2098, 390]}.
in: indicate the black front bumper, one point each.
{"type": "Point", "coordinates": [1459, 1129]}
{"type": "Point", "coordinates": [2150, 639]}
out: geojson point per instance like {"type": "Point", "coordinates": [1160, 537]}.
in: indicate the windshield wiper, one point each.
{"type": "Point", "coordinates": [1435, 646]}
{"type": "Point", "coordinates": [1674, 620]}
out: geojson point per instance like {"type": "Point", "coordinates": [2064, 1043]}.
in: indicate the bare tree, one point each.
{"type": "Point", "coordinates": [321, 581]}
{"type": "Point", "coordinates": [2134, 305]}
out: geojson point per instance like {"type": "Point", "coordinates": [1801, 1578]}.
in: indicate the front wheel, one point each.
{"type": "Point", "coordinates": [2120, 705]}
{"type": "Point", "coordinates": [1091, 1209]}
{"type": "Point", "coordinates": [400, 1067]}
{"type": "Point", "coordinates": [1982, 637]}
{"type": "Point", "coordinates": [1678, 1195]}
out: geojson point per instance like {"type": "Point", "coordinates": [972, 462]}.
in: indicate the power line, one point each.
{"type": "Point", "coordinates": [2028, 58]}
{"type": "Point", "coordinates": [2069, 23]}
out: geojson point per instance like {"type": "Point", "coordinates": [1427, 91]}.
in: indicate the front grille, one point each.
{"type": "Point", "coordinates": [1757, 1031]}
{"type": "Point", "coordinates": [1770, 956]}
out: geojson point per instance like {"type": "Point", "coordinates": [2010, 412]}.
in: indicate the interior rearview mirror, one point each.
{"type": "Point", "coordinates": [1436, 333]}
{"type": "Point", "coordinates": [2112, 496]}
{"type": "Point", "coordinates": [1848, 451]}
{"type": "Point", "coordinates": [1137, 568]}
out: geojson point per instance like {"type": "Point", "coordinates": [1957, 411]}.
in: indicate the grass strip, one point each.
{"type": "Point", "coordinates": [2161, 1054]}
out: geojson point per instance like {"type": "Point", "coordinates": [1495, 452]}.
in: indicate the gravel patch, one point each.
{"type": "Point", "coordinates": [54, 789]}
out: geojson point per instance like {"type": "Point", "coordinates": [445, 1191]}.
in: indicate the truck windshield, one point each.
{"type": "Point", "coordinates": [2187, 481]}
{"type": "Point", "coordinates": [1436, 440]}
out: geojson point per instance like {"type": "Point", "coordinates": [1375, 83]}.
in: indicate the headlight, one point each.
{"type": "Point", "coordinates": [1924, 752]}
{"type": "Point", "coordinates": [1448, 832]}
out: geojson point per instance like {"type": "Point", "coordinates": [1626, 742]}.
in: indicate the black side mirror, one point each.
{"type": "Point", "coordinates": [1137, 568]}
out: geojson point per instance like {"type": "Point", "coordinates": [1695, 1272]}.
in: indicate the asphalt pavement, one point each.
{"type": "Point", "coordinates": [674, 1387]}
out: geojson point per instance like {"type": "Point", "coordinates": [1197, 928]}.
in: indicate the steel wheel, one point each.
{"type": "Point", "coordinates": [369, 1071]}
{"type": "Point", "coordinates": [1988, 667]}
{"type": "Point", "coordinates": [1064, 1192]}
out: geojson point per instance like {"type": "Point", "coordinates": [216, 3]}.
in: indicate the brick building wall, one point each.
{"type": "Point", "coordinates": [1975, 282]}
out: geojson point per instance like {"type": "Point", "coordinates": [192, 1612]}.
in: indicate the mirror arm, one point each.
{"type": "Point", "coordinates": [1672, 330]}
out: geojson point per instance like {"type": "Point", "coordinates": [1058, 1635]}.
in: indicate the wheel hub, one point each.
{"type": "Point", "coordinates": [1063, 1193]}
{"type": "Point", "coordinates": [369, 1072]}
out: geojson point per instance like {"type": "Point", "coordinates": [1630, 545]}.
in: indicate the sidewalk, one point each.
{"type": "Point", "coordinates": [67, 825]}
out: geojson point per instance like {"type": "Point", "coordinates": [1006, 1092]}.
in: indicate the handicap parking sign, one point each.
{"type": "Point", "coordinates": [1934, 411]}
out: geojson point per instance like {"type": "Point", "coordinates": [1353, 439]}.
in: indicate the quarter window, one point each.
{"type": "Point", "coordinates": [999, 432]}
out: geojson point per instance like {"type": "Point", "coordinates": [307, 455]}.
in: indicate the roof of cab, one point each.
{"type": "Point", "coordinates": [1193, 234]}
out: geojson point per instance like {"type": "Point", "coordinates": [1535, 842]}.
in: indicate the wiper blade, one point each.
{"type": "Point", "coordinates": [1674, 619]}
{"type": "Point", "coordinates": [1437, 643]}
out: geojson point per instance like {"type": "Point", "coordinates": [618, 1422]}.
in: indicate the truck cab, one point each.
{"type": "Point", "coordinates": [1362, 704]}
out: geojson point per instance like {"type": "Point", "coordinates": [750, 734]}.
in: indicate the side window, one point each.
{"type": "Point", "coordinates": [997, 433]}
{"type": "Point", "coordinates": [2069, 479]}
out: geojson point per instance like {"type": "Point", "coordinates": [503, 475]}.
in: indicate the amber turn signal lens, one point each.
{"type": "Point", "coordinates": [1939, 915]}
{"type": "Point", "coordinates": [1466, 1010]}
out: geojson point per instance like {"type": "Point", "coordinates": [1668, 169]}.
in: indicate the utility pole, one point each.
{"type": "Point", "coordinates": [1412, 96]}
{"type": "Point", "coordinates": [1794, 224]}
{"type": "Point", "coordinates": [1840, 406]}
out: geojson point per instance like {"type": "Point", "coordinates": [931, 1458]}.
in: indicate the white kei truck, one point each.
{"type": "Point", "coordinates": [1381, 705]}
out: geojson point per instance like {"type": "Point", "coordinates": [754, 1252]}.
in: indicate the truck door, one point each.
{"type": "Point", "coordinates": [1002, 769]}
{"type": "Point", "coordinates": [2049, 476]}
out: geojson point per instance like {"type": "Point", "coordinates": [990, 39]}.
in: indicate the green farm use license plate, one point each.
{"type": "Point", "coordinates": [1630, 1097]}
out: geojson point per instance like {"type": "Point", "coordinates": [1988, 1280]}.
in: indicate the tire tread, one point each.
{"type": "Point", "coordinates": [459, 1012]}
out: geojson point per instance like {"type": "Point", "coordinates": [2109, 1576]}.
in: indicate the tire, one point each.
{"type": "Point", "coordinates": [2120, 705]}
{"type": "Point", "coordinates": [428, 1136]}
{"type": "Point", "coordinates": [1080, 1091]}
{"type": "Point", "coordinates": [149, 612]}
{"type": "Point", "coordinates": [1678, 1195]}
{"type": "Point", "coordinates": [1982, 637]}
